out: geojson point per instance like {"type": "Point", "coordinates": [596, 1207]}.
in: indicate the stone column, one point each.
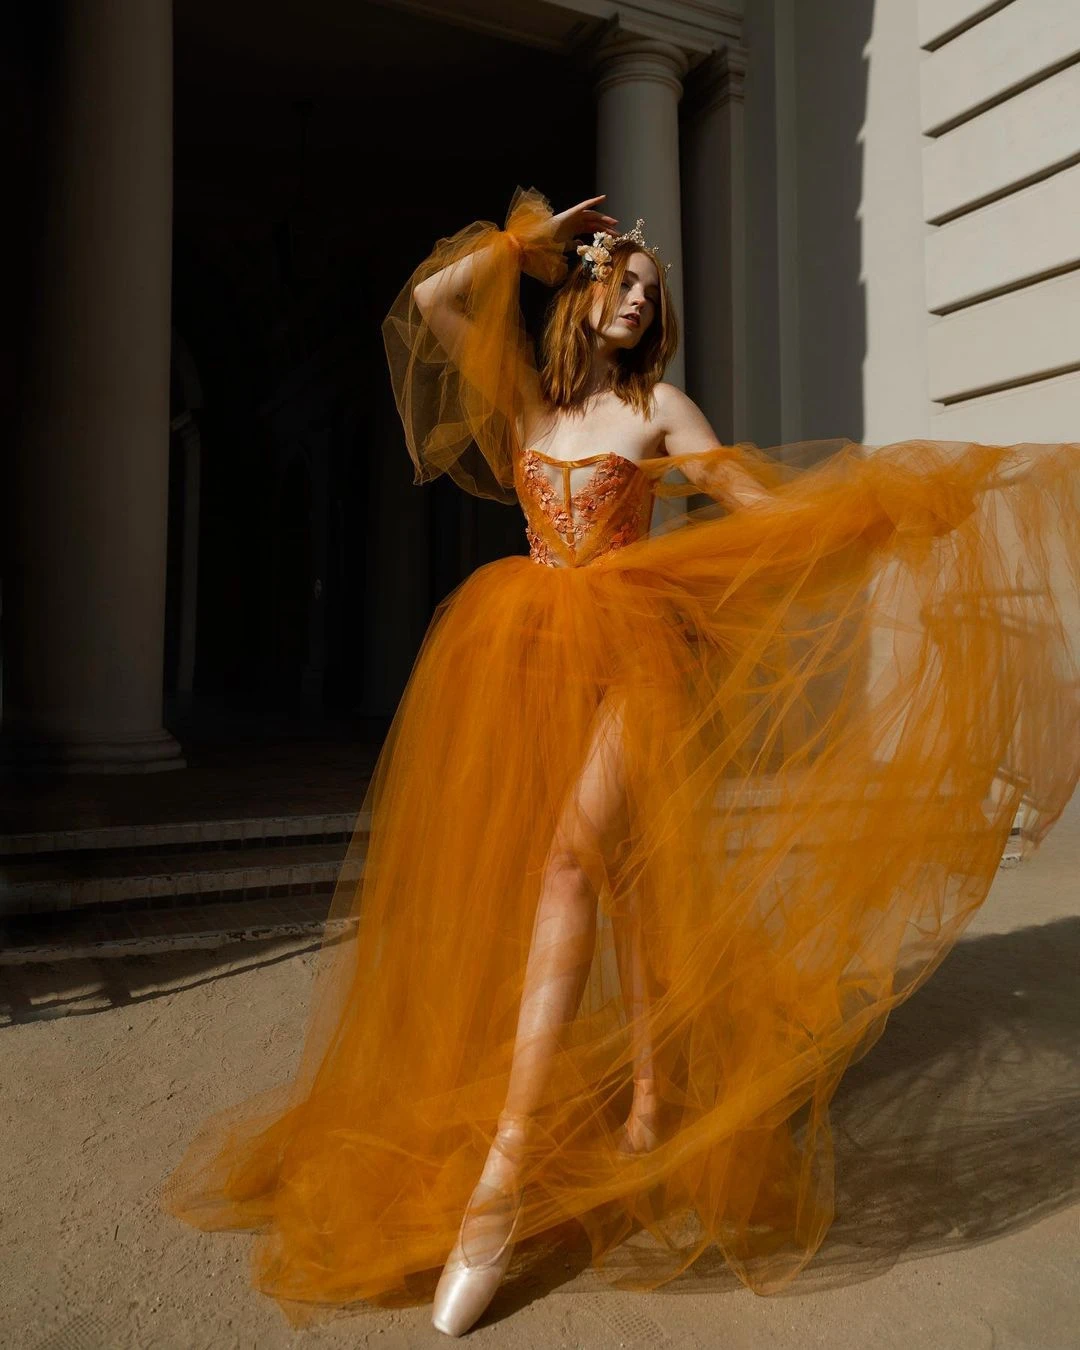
{"type": "Point", "coordinates": [186, 430]}
{"type": "Point", "coordinates": [638, 87]}
{"type": "Point", "coordinates": [87, 505]}
{"type": "Point", "coordinates": [715, 254]}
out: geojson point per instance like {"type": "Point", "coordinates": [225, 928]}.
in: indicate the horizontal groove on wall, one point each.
{"type": "Point", "coordinates": [1002, 96]}
{"type": "Point", "coordinates": [989, 198]}
{"type": "Point", "coordinates": [1004, 385]}
{"type": "Point", "coordinates": [972, 21]}
{"type": "Point", "coordinates": [1008, 289]}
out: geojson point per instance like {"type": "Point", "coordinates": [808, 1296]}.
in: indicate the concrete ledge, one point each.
{"type": "Point", "coordinates": [1021, 239]}
{"type": "Point", "coordinates": [1017, 142]}
{"type": "Point", "coordinates": [941, 20]}
{"type": "Point", "coordinates": [41, 887]}
{"type": "Point", "coordinates": [1016, 337]}
{"type": "Point", "coordinates": [1042, 413]}
{"type": "Point", "coordinates": [169, 834]}
{"type": "Point", "coordinates": [1009, 50]}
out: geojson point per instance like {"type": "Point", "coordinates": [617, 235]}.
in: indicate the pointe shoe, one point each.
{"type": "Point", "coordinates": [641, 1132]}
{"type": "Point", "coordinates": [470, 1277]}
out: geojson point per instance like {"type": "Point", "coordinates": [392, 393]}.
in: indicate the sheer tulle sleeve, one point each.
{"type": "Point", "coordinates": [460, 398]}
{"type": "Point", "coordinates": [918, 492]}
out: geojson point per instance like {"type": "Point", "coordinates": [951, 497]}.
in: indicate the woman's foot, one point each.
{"type": "Point", "coordinates": [641, 1132]}
{"type": "Point", "coordinates": [481, 1255]}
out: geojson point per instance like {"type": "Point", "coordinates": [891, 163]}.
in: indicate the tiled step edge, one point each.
{"type": "Point", "coordinates": [212, 937]}
{"type": "Point", "coordinates": [197, 874]}
{"type": "Point", "coordinates": [170, 833]}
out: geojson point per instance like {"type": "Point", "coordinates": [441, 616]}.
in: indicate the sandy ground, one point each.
{"type": "Point", "coordinates": [959, 1162]}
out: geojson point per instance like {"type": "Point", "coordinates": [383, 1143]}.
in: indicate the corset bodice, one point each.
{"type": "Point", "coordinates": [568, 527]}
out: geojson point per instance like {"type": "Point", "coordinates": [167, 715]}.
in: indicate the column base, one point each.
{"type": "Point", "coordinates": [141, 752]}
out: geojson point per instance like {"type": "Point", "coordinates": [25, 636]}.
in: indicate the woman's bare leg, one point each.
{"type": "Point", "coordinates": [586, 847]}
{"type": "Point", "coordinates": [586, 836]}
{"type": "Point", "coordinates": [640, 1132]}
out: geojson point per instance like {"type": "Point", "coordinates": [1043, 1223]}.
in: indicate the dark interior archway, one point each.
{"type": "Point", "coordinates": [319, 153]}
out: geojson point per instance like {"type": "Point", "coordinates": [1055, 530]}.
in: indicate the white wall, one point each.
{"type": "Point", "coordinates": [895, 394]}
{"type": "Point", "coordinates": [837, 328]}
{"type": "Point", "coordinates": [913, 199]}
{"type": "Point", "coordinates": [1000, 106]}
{"type": "Point", "coordinates": [913, 221]}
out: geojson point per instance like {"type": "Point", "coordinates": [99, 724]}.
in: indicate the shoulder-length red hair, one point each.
{"type": "Point", "coordinates": [568, 338]}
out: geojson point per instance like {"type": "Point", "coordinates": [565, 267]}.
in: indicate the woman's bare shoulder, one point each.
{"type": "Point", "coordinates": [683, 427]}
{"type": "Point", "coordinates": [671, 401]}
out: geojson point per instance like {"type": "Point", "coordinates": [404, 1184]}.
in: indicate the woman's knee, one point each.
{"type": "Point", "coordinates": [569, 891]}
{"type": "Point", "coordinates": [566, 870]}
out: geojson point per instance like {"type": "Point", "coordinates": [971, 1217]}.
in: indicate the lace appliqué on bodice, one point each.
{"type": "Point", "coordinates": [569, 529]}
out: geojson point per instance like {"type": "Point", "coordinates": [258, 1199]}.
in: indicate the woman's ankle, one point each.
{"type": "Point", "coordinates": [507, 1152]}
{"type": "Point", "coordinates": [646, 1096]}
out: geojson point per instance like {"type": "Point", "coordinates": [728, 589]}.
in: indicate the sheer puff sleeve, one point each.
{"type": "Point", "coordinates": [459, 398]}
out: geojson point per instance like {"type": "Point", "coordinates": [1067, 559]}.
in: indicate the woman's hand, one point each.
{"type": "Point", "coordinates": [580, 219]}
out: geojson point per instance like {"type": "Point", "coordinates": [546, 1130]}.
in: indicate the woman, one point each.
{"type": "Point", "coordinates": [666, 823]}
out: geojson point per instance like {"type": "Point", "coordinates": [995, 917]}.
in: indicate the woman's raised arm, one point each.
{"type": "Point", "coordinates": [443, 297]}
{"type": "Point", "coordinates": [460, 361]}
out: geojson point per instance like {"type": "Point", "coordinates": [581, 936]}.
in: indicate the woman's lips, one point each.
{"type": "Point", "coordinates": [631, 319]}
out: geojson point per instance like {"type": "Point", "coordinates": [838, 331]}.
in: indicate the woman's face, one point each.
{"type": "Point", "coordinates": [639, 299]}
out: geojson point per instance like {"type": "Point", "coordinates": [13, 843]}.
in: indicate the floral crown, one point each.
{"type": "Point", "coordinates": [596, 257]}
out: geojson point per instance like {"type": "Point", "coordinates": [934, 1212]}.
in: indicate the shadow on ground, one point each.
{"type": "Point", "coordinates": [961, 1125]}
{"type": "Point", "coordinates": [39, 991]}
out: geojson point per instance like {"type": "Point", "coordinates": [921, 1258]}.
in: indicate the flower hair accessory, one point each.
{"type": "Point", "coordinates": [596, 257]}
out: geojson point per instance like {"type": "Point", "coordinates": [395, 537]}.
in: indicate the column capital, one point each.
{"type": "Point", "coordinates": [718, 80]}
{"type": "Point", "coordinates": [628, 58]}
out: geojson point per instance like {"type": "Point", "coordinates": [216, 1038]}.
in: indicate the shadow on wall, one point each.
{"type": "Point", "coordinates": [831, 86]}
{"type": "Point", "coordinates": [806, 105]}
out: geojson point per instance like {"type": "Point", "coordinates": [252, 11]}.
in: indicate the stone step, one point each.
{"type": "Point", "coordinates": [250, 831]}
{"type": "Point", "coordinates": [75, 882]}
{"type": "Point", "coordinates": [79, 935]}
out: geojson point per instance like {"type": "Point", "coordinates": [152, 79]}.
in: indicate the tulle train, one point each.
{"type": "Point", "coordinates": [827, 714]}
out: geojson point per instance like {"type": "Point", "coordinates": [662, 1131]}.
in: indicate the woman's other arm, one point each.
{"type": "Point", "coordinates": [441, 299]}
{"type": "Point", "coordinates": [687, 432]}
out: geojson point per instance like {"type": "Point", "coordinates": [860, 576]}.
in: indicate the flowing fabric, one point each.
{"type": "Point", "coordinates": [819, 719]}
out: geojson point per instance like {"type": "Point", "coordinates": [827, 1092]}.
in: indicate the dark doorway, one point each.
{"type": "Point", "coordinates": [320, 151]}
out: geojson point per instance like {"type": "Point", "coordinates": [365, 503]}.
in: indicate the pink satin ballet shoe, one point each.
{"type": "Point", "coordinates": [641, 1132]}
{"type": "Point", "coordinates": [476, 1266]}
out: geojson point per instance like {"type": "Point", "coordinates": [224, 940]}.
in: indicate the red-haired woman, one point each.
{"type": "Point", "coordinates": [670, 816]}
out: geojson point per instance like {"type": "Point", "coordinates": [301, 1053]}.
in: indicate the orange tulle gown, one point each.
{"type": "Point", "coordinates": [830, 711]}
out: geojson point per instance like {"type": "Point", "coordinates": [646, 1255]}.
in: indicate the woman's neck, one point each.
{"type": "Point", "coordinates": [601, 371]}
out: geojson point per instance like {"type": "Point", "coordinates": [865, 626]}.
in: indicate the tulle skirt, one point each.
{"type": "Point", "coordinates": [786, 747]}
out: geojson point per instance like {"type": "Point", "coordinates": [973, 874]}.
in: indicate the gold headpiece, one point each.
{"type": "Point", "coordinates": [596, 257]}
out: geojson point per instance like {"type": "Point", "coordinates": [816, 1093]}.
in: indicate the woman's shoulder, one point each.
{"type": "Point", "coordinates": [671, 396]}
{"type": "Point", "coordinates": [672, 405]}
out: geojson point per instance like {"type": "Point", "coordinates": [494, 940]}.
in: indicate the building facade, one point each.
{"type": "Point", "coordinates": [870, 206]}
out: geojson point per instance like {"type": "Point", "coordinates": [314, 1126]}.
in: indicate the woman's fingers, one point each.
{"type": "Point", "coordinates": [584, 209]}
{"type": "Point", "coordinates": [582, 219]}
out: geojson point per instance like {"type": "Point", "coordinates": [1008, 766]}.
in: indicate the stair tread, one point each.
{"type": "Point", "coordinates": [168, 864]}
{"type": "Point", "coordinates": [72, 933]}
{"type": "Point", "coordinates": [166, 834]}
